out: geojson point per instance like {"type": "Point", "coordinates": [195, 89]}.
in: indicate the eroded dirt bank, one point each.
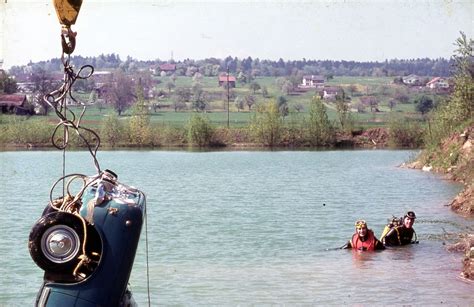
{"type": "Point", "coordinates": [455, 159]}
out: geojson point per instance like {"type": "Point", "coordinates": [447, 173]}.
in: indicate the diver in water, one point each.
{"type": "Point", "coordinates": [402, 234]}
{"type": "Point", "coordinates": [364, 239]}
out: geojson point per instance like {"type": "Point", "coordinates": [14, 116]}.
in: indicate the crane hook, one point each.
{"type": "Point", "coordinates": [67, 11]}
{"type": "Point", "coordinates": [68, 39]}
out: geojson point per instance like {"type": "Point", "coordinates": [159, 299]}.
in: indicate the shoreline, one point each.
{"type": "Point", "coordinates": [460, 145]}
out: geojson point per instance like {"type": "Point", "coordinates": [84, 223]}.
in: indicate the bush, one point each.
{"type": "Point", "coordinates": [199, 131]}
{"type": "Point", "coordinates": [111, 130]}
{"type": "Point", "coordinates": [21, 130]}
{"type": "Point", "coordinates": [405, 133]}
{"type": "Point", "coordinates": [320, 131]}
{"type": "Point", "coordinates": [266, 125]}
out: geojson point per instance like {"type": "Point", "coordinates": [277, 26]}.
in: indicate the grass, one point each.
{"type": "Point", "coordinates": [218, 114]}
{"type": "Point", "coordinates": [347, 80]}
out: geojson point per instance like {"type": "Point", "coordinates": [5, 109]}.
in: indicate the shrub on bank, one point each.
{"type": "Point", "coordinates": [405, 133]}
{"type": "Point", "coordinates": [267, 125]}
{"type": "Point", "coordinates": [111, 130]}
{"type": "Point", "coordinates": [267, 128]}
{"type": "Point", "coordinates": [23, 130]}
{"type": "Point", "coordinates": [199, 131]}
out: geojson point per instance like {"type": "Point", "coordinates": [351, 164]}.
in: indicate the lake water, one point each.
{"type": "Point", "coordinates": [253, 227]}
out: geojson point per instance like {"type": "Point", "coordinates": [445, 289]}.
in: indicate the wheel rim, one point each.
{"type": "Point", "coordinates": [60, 243]}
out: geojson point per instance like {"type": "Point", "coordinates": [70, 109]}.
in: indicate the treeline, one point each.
{"type": "Point", "coordinates": [257, 67]}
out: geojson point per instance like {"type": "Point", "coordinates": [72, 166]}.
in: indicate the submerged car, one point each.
{"type": "Point", "coordinates": [86, 243]}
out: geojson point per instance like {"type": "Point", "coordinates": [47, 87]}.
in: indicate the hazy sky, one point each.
{"type": "Point", "coordinates": [361, 30]}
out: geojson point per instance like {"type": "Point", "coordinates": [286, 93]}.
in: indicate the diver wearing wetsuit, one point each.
{"type": "Point", "coordinates": [402, 234]}
{"type": "Point", "coordinates": [364, 239]}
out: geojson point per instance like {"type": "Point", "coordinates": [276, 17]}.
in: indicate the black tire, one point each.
{"type": "Point", "coordinates": [55, 242]}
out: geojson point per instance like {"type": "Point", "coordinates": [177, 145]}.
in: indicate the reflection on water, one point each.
{"type": "Point", "coordinates": [230, 228]}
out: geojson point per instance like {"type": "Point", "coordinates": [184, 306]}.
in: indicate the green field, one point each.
{"type": "Point", "coordinates": [381, 87]}
{"type": "Point", "coordinates": [218, 115]}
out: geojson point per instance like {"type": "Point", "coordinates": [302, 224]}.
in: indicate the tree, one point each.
{"type": "Point", "coordinates": [120, 94]}
{"type": "Point", "coordinates": [402, 96]}
{"type": "Point", "coordinates": [170, 85]}
{"type": "Point", "coordinates": [391, 104]}
{"type": "Point", "coordinates": [139, 123]}
{"type": "Point", "coordinates": [146, 83]}
{"type": "Point", "coordinates": [254, 86]}
{"type": "Point", "coordinates": [197, 77]}
{"type": "Point", "coordinates": [360, 107]}
{"type": "Point", "coordinates": [298, 107]}
{"type": "Point", "coordinates": [320, 129]}
{"type": "Point", "coordinates": [242, 78]}
{"type": "Point", "coordinates": [178, 104]}
{"type": "Point", "coordinates": [279, 82]}
{"type": "Point", "coordinates": [183, 93]}
{"type": "Point", "coordinates": [343, 115]}
{"type": "Point", "coordinates": [370, 101]}
{"type": "Point", "coordinates": [99, 103]}
{"type": "Point", "coordinates": [200, 98]}
{"type": "Point", "coordinates": [239, 103]}
{"type": "Point", "coordinates": [93, 97]}
{"type": "Point", "coordinates": [462, 99]}
{"type": "Point", "coordinates": [456, 111]}
{"type": "Point", "coordinates": [328, 76]}
{"type": "Point", "coordinates": [266, 125]}
{"type": "Point", "coordinates": [282, 103]}
{"type": "Point", "coordinates": [7, 85]}
{"type": "Point", "coordinates": [43, 84]}
{"type": "Point", "coordinates": [424, 105]}
{"type": "Point", "coordinates": [249, 101]}
{"type": "Point", "coordinates": [287, 87]}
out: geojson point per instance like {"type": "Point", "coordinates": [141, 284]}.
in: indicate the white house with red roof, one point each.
{"type": "Point", "coordinates": [438, 82]}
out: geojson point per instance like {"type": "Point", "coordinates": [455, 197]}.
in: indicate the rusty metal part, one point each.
{"type": "Point", "coordinates": [67, 11]}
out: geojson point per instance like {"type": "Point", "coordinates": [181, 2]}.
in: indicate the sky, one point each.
{"type": "Point", "coordinates": [359, 30]}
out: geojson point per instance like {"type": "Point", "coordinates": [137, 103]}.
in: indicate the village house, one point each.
{"type": "Point", "coordinates": [223, 78]}
{"type": "Point", "coordinates": [14, 104]}
{"type": "Point", "coordinates": [163, 69]}
{"type": "Point", "coordinates": [411, 80]}
{"type": "Point", "coordinates": [312, 81]}
{"type": "Point", "coordinates": [438, 83]}
{"type": "Point", "coordinates": [25, 87]}
{"type": "Point", "coordinates": [330, 92]}
{"type": "Point", "coordinates": [102, 77]}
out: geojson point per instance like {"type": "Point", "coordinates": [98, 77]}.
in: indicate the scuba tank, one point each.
{"type": "Point", "coordinates": [393, 222]}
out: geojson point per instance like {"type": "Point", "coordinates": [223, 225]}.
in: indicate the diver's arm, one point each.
{"type": "Point", "coordinates": [379, 245]}
{"type": "Point", "coordinates": [348, 245]}
{"type": "Point", "coordinates": [389, 234]}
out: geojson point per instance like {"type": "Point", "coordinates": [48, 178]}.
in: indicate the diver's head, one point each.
{"type": "Point", "coordinates": [361, 228]}
{"type": "Point", "coordinates": [409, 219]}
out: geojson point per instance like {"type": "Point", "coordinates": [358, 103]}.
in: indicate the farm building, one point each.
{"type": "Point", "coordinates": [312, 81]}
{"type": "Point", "coordinates": [14, 104]}
{"type": "Point", "coordinates": [223, 78]}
